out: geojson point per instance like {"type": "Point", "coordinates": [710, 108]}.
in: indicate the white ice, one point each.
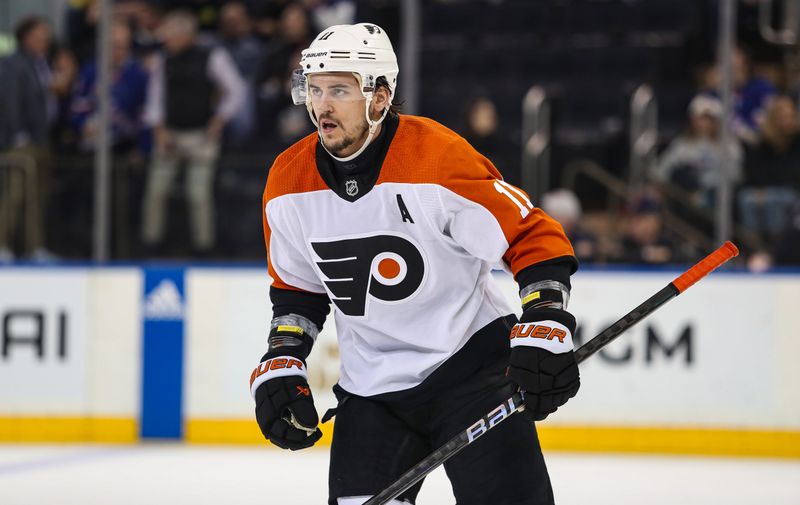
{"type": "Point", "coordinates": [177, 474]}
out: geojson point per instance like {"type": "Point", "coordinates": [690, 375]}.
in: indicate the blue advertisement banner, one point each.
{"type": "Point", "coordinates": [163, 312]}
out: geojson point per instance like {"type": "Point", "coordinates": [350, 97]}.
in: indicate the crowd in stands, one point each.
{"type": "Point", "coordinates": [761, 160]}
{"type": "Point", "coordinates": [186, 84]}
{"type": "Point", "coordinates": [194, 82]}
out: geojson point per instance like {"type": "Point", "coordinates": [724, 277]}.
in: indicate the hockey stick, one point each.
{"type": "Point", "coordinates": [515, 402]}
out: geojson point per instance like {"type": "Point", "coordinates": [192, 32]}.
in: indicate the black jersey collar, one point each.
{"type": "Point", "coordinates": [355, 178]}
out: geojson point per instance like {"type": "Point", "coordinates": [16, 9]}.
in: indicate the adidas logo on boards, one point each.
{"type": "Point", "coordinates": [164, 302]}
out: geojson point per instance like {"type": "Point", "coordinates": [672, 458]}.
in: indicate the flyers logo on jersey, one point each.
{"type": "Point", "coordinates": [388, 268]}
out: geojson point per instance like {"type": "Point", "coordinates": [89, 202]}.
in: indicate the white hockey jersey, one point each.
{"type": "Point", "coordinates": [407, 265]}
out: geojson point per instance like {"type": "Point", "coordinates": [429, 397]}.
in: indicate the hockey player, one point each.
{"type": "Point", "coordinates": [398, 222]}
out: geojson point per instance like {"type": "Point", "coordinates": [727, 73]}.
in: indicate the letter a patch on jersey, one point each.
{"type": "Point", "coordinates": [388, 268]}
{"type": "Point", "coordinates": [404, 210]}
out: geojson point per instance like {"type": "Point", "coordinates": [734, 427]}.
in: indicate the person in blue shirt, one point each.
{"type": "Point", "coordinates": [128, 94]}
{"type": "Point", "coordinates": [751, 93]}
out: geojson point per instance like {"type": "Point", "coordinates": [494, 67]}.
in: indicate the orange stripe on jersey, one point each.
{"type": "Point", "coordinates": [294, 171]}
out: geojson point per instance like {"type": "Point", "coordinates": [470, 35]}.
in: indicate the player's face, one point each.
{"type": "Point", "coordinates": [338, 105]}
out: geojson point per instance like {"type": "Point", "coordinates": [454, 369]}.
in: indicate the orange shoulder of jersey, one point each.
{"type": "Point", "coordinates": [416, 150]}
{"type": "Point", "coordinates": [294, 171]}
{"type": "Point", "coordinates": [424, 151]}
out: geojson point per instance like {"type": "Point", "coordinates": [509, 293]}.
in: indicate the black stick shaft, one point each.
{"type": "Point", "coordinates": [514, 404]}
{"type": "Point", "coordinates": [683, 282]}
{"type": "Point", "coordinates": [626, 322]}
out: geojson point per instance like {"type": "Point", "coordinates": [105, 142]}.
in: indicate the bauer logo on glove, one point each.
{"type": "Point", "coordinates": [545, 330]}
{"type": "Point", "coordinates": [275, 367]}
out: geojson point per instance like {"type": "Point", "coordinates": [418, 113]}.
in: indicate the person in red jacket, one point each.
{"type": "Point", "coordinates": [398, 222]}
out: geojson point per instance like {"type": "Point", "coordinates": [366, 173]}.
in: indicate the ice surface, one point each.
{"type": "Point", "coordinates": [178, 474]}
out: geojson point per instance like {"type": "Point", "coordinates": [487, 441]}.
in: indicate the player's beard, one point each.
{"type": "Point", "coordinates": [347, 140]}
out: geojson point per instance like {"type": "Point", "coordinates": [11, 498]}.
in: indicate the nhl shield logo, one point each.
{"type": "Point", "coordinates": [351, 187]}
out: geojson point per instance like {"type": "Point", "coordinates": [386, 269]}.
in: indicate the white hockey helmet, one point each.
{"type": "Point", "coordinates": [363, 49]}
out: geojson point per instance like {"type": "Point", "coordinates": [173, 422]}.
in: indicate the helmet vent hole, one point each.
{"type": "Point", "coordinates": [321, 65]}
{"type": "Point", "coordinates": [365, 42]}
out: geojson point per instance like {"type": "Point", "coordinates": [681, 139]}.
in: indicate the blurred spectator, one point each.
{"type": "Point", "coordinates": [325, 13]}
{"type": "Point", "coordinates": [694, 160]}
{"type": "Point", "coordinates": [759, 261]}
{"type": "Point", "coordinates": [563, 206]}
{"type": "Point", "coordinates": [236, 35]}
{"type": "Point", "coordinates": [247, 51]}
{"type": "Point", "coordinates": [28, 108]}
{"type": "Point", "coordinates": [128, 92]}
{"type": "Point", "coordinates": [276, 111]}
{"type": "Point", "coordinates": [644, 240]}
{"type": "Point", "coordinates": [482, 132]}
{"type": "Point", "coordinates": [772, 171]}
{"type": "Point", "coordinates": [187, 126]}
{"type": "Point", "coordinates": [27, 77]}
{"type": "Point", "coordinates": [65, 77]}
{"type": "Point", "coordinates": [751, 95]}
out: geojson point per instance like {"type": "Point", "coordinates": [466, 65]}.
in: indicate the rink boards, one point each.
{"type": "Point", "coordinates": [121, 354]}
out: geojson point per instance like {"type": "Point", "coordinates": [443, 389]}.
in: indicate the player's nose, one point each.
{"type": "Point", "coordinates": [325, 105]}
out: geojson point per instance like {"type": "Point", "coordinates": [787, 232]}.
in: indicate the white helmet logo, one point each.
{"type": "Point", "coordinates": [351, 187]}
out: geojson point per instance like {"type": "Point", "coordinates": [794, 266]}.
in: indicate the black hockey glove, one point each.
{"type": "Point", "coordinates": [284, 406]}
{"type": "Point", "coordinates": [542, 360]}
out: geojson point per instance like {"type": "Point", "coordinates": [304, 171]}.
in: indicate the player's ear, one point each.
{"type": "Point", "coordinates": [380, 101]}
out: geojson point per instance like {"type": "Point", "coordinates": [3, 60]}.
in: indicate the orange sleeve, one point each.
{"type": "Point", "coordinates": [532, 236]}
